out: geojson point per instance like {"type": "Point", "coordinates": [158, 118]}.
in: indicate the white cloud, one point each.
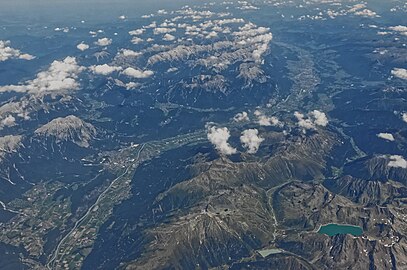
{"type": "Point", "coordinates": [60, 76]}
{"type": "Point", "coordinates": [303, 122]}
{"type": "Point", "coordinates": [361, 10]}
{"type": "Point", "coordinates": [104, 69]}
{"type": "Point", "coordinates": [104, 42]}
{"type": "Point", "coordinates": [162, 12]}
{"type": "Point", "coordinates": [147, 16]}
{"type": "Point", "coordinates": [9, 144]}
{"type": "Point", "coordinates": [219, 138]}
{"type": "Point", "coordinates": [163, 30]}
{"type": "Point", "coordinates": [6, 52]}
{"type": "Point", "coordinates": [151, 25]}
{"type": "Point", "coordinates": [241, 117]}
{"type": "Point", "coordinates": [266, 121]}
{"type": "Point", "coordinates": [26, 56]}
{"type": "Point", "coordinates": [132, 85]}
{"type": "Point", "coordinates": [122, 17]}
{"type": "Point", "coordinates": [320, 118]}
{"type": "Point", "coordinates": [136, 40]}
{"type": "Point", "coordinates": [386, 136]}
{"type": "Point", "coordinates": [137, 32]}
{"type": "Point", "coordinates": [404, 117]}
{"type": "Point", "coordinates": [130, 53]}
{"type": "Point", "coordinates": [128, 86]}
{"type": "Point", "coordinates": [8, 121]}
{"type": "Point", "coordinates": [366, 13]}
{"type": "Point", "coordinates": [212, 34]}
{"type": "Point", "coordinates": [397, 161]}
{"type": "Point", "coordinates": [251, 140]}
{"type": "Point", "coordinates": [315, 118]}
{"type": "Point", "coordinates": [398, 28]}
{"type": "Point", "coordinates": [399, 73]}
{"type": "Point", "coordinates": [82, 46]}
{"type": "Point", "coordinates": [136, 73]}
{"type": "Point", "coordinates": [173, 69]}
{"type": "Point", "coordinates": [168, 37]}
{"type": "Point", "coordinates": [228, 21]}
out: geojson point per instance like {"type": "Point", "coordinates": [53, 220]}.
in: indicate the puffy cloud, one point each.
{"type": "Point", "coordinates": [163, 30]}
{"type": "Point", "coordinates": [219, 138]}
{"type": "Point", "coordinates": [247, 7]}
{"type": "Point", "coordinates": [399, 73]}
{"type": "Point", "coordinates": [128, 86]}
{"type": "Point", "coordinates": [20, 108]}
{"type": "Point", "coordinates": [136, 73]}
{"type": "Point", "coordinates": [104, 69]}
{"type": "Point", "coordinates": [26, 56]}
{"type": "Point", "coordinates": [212, 34]}
{"type": "Point", "coordinates": [173, 69]}
{"type": "Point", "coordinates": [63, 29]}
{"type": "Point", "coordinates": [315, 118]}
{"type": "Point", "coordinates": [82, 46]}
{"type": "Point", "coordinates": [250, 30]}
{"type": "Point", "coordinates": [228, 21]}
{"type": "Point", "coordinates": [266, 121]}
{"type": "Point", "coordinates": [60, 76]}
{"type": "Point", "coordinates": [130, 53]}
{"type": "Point", "coordinates": [132, 85]}
{"type": "Point", "coordinates": [241, 117]}
{"type": "Point", "coordinates": [361, 10]}
{"type": "Point", "coordinates": [398, 28]}
{"type": "Point", "coordinates": [8, 121]}
{"type": "Point", "coordinates": [320, 118]}
{"type": "Point", "coordinates": [251, 140]}
{"type": "Point", "coordinates": [386, 136]}
{"type": "Point", "coordinates": [397, 161]}
{"type": "Point", "coordinates": [366, 13]}
{"type": "Point", "coordinates": [168, 37]}
{"type": "Point", "coordinates": [404, 117]}
{"type": "Point", "coordinates": [104, 42]}
{"type": "Point", "coordinates": [6, 52]}
{"type": "Point", "coordinates": [146, 16]}
{"type": "Point", "coordinates": [137, 32]}
{"type": "Point", "coordinates": [136, 40]}
{"type": "Point", "coordinates": [304, 123]}
{"type": "Point", "coordinates": [9, 144]}
{"type": "Point", "coordinates": [151, 25]}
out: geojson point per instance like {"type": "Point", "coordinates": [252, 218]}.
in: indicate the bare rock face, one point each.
{"type": "Point", "coordinates": [251, 72]}
{"type": "Point", "coordinates": [70, 128]}
{"type": "Point", "coordinates": [225, 212]}
{"type": "Point", "coordinates": [376, 168]}
{"type": "Point", "coordinates": [9, 144]}
{"type": "Point", "coordinates": [367, 191]}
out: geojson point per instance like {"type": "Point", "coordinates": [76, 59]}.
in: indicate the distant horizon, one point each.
{"type": "Point", "coordinates": [24, 11]}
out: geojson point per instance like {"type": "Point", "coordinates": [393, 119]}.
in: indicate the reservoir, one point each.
{"type": "Point", "coordinates": [265, 252]}
{"type": "Point", "coordinates": [334, 229]}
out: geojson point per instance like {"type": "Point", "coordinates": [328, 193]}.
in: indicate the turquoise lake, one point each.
{"type": "Point", "coordinates": [334, 229]}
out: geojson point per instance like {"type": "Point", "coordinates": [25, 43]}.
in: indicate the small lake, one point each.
{"type": "Point", "coordinates": [334, 229]}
